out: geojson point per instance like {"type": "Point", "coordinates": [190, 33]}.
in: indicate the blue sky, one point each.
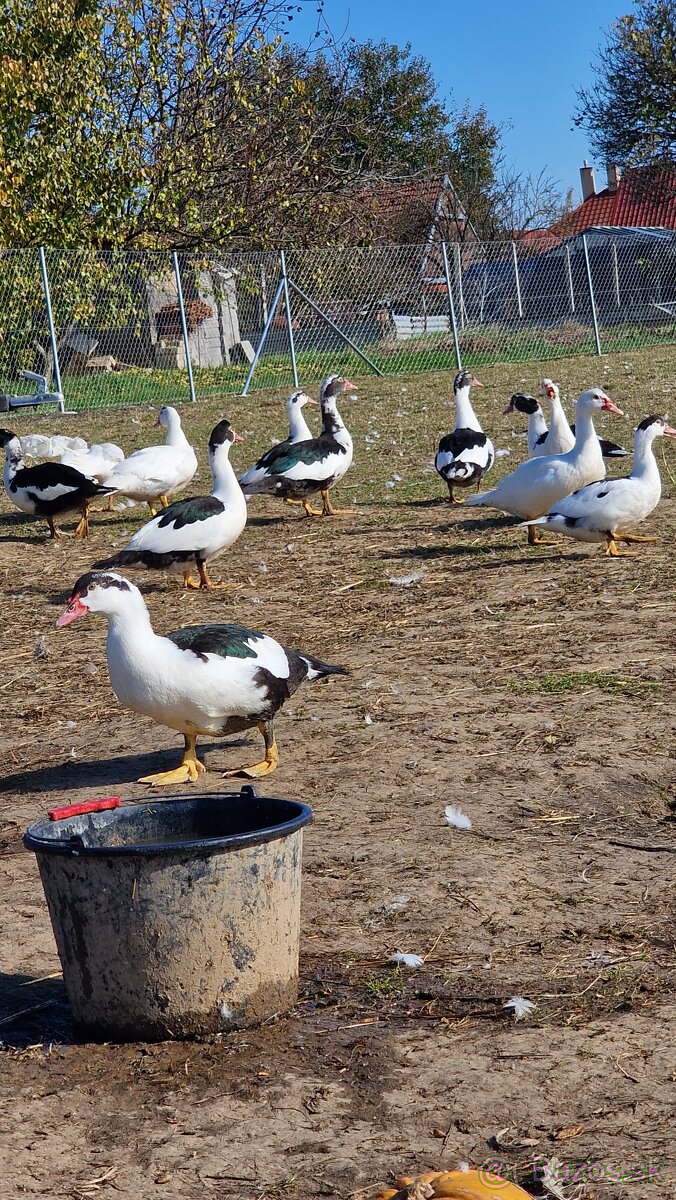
{"type": "Point", "coordinates": [523, 61]}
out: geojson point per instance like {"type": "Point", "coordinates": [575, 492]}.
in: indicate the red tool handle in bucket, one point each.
{"type": "Point", "coordinates": [76, 810]}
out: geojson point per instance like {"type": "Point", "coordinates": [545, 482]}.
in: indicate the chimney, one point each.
{"type": "Point", "coordinates": [587, 180]}
{"type": "Point", "coordinates": [613, 172]}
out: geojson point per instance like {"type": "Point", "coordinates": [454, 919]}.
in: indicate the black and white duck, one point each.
{"type": "Point", "coordinates": [192, 532]}
{"type": "Point", "coordinates": [466, 455]}
{"type": "Point", "coordinates": [48, 490]}
{"type": "Point", "coordinates": [604, 510]}
{"type": "Point", "coordinates": [537, 426]}
{"type": "Point", "coordinates": [296, 471]}
{"type": "Point", "coordinates": [216, 680]}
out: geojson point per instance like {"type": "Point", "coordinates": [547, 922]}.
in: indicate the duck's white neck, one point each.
{"type": "Point", "coordinates": [645, 464]}
{"type": "Point", "coordinates": [537, 426]}
{"type": "Point", "coordinates": [587, 444]}
{"type": "Point", "coordinates": [298, 426]}
{"type": "Point", "coordinates": [175, 435]}
{"type": "Point", "coordinates": [465, 416]}
{"type": "Point", "coordinates": [129, 628]}
{"type": "Point", "coordinates": [559, 422]}
{"type": "Point", "coordinates": [225, 483]}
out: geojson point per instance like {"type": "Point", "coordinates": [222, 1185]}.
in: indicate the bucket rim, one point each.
{"type": "Point", "coordinates": [74, 847]}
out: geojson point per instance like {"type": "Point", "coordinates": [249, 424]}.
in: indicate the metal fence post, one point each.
{"type": "Point", "coordinates": [451, 308]}
{"type": "Point", "coordinates": [50, 319]}
{"type": "Point", "coordinates": [289, 319]}
{"type": "Point", "coordinates": [458, 282]}
{"type": "Point", "coordinates": [616, 274]}
{"type": "Point", "coordinates": [517, 281]}
{"type": "Point", "coordinates": [259, 348]}
{"type": "Point", "coordinates": [184, 326]}
{"type": "Point", "coordinates": [569, 276]}
{"type": "Point", "coordinates": [592, 301]}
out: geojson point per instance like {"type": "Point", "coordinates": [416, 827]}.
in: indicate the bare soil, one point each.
{"type": "Point", "coordinates": [534, 688]}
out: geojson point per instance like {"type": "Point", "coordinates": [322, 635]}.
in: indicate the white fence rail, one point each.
{"type": "Point", "coordinates": [106, 328]}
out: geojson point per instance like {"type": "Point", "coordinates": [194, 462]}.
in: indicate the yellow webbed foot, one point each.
{"type": "Point", "coordinates": [206, 583]}
{"type": "Point", "coordinates": [189, 771]}
{"type": "Point", "coordinates": [329, 511]}
{"type": "Point", "coordinates": [269, 763]}
{"type": "Point", "coordinates": [312, 512]}
{"type": "Point", "coordinates": [536, 539]}
{"type": "Point", "coordinates": [189, 582]}
{"type": "Point", "coordinates": [613, 552]}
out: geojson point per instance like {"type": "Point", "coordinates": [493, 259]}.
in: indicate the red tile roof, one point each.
{"type": "Point", "coordinates": [538, 240]}
{"type": "Point", "coordinates": [634, 204]}
{"type": "Point", "coordinates": [402, 210]}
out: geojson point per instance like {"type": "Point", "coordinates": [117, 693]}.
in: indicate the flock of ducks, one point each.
{"type": "Point", "coordinates": [215, 679]}
{"type": "Point", "coordinates": [222, 679]}
{"type": "Point", "coordinates": [562, 484]}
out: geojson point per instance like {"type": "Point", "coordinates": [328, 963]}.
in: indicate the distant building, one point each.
{"type": "Point", "coordinates": [404, 211]}
{"type": "Point", "coordinates": [637, 200]}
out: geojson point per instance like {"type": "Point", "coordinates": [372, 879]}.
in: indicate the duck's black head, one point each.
{"type": "Point", "coordinates": [465, 379]}
{"type": "Point", "coordinates": [6, 436]}
{"type": "Point", "coordinates": [523, 403]}
{"type": "Point", "coordinates": [223, 432]}
{"type": "Point", "coordinates": [656, 427]}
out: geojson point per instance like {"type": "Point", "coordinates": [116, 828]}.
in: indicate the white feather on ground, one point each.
{"type": "Point", "coordinates": [456, 817]}
{"type": "Point", "coordinates": [406, 960]}
{"type": "Point", "coordinates": [521, 1007]}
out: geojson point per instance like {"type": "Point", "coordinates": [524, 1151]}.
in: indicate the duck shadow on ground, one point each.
{"type": "Point", "coordinates": [126, 768]}
{"type": "Point", "coordinates": [489, 561]}
{"type": "Point", "coordinates": [34, 1012]}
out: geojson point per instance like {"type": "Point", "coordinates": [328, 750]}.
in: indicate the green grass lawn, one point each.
{"type": "Point", "coordinates": [481, 347]}
{"type": "Point", "coordinates": [396, 420]}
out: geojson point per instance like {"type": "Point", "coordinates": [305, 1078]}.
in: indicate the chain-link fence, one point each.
{"type": "Point", "coordinates": [128, 327]}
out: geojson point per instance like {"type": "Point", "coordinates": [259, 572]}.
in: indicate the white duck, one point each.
{"type": "Point", "coordinates": [601, 511]}
{"type": "Point", "coordinates": [560, 437]}
{"type": "Point", "coordinates": [157, 472]}
{"type": "Point", "coordinates": [97, 461]}
{"type": "Point", "coordinates": [537, 426]}
{"type": "Point", "coordinates": [537, 484]}
{"type": "Point", "coordinates": [297, 471]}
{"type": "Point", "coordinates": [466, 455]}
{"type": "Point", "coordinates": [202, 679]}
{"type": "Point", "coordinates": [192, 531]}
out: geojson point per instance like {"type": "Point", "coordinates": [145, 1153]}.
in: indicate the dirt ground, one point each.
{"type": "Point", "coordinates": [534, 688]}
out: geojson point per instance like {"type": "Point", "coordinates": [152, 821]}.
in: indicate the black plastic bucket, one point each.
{"type": "Point", "coordinates": [176, 917]}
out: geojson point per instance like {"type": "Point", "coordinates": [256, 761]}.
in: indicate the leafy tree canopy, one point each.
{"type": "Point", "coordinates": [630, 114]}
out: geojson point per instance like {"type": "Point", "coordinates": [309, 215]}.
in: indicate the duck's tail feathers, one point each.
{"type": "Point", "coordinates": [535, 521]}
{"type": "Point", "coordinates": [612, 450]}
{"type": "Point", "coordinates": [459, 470]}
{"type": "Point", "coordinates": [479, 499]}
{"type": "Point", "coordinates": [104, 564]}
